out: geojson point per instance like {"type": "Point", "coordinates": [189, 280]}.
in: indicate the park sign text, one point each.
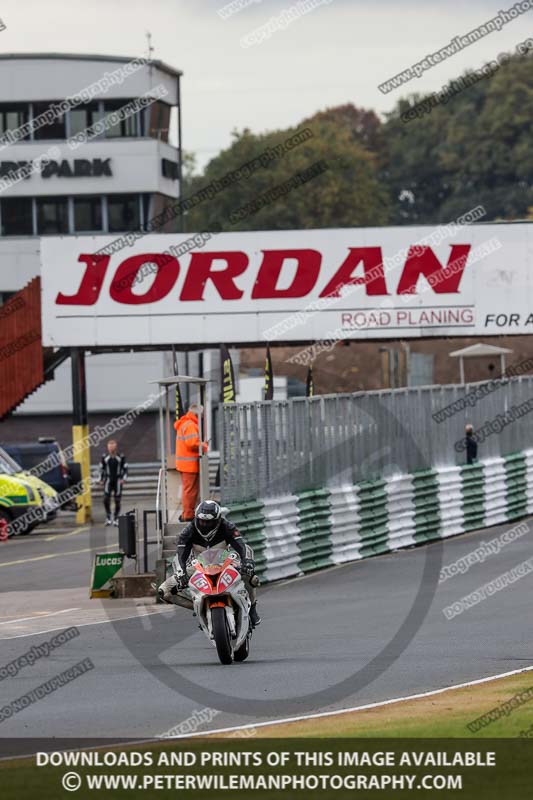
{"type": "Point", "coordinates": [299, 286]}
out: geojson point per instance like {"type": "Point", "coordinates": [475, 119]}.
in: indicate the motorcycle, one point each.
{"type": "Point", "coordinates": [221, 603]}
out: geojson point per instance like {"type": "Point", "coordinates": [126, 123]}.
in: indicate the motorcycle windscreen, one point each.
{"type": "Point", "coordinates": [212, 559]}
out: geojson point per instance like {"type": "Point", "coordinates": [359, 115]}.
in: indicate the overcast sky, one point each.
{"type": "Point", "coordinates": [337, 53]}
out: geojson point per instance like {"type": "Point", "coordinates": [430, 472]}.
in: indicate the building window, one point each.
{"type": "Point", "coordinates": [83, 117]}
{"type": "Point", "coordinates": [159, 120]}
{"type": "Point", "coordinates": [52, 215]}
{"type": "Point", "coordinates": [123, 212]}
{"type": "Point", "coordinates": [169, 169]}
{"type": "Point", "coordinates": [17, 216]}
{"type": "Point", "coordinates": [87, 214]}
{"type": "Point", "coordinates": [130, 126]}
{"type": "Point", "coordinates": [13, 116]}
{"type": "Point", "coordinates": [50, 130]}
{"type": "Point", "coordinates": [145, 202]}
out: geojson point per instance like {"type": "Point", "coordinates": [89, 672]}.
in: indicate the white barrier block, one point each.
{"type": "Point", "coordinates": [401, 510]}
{"type": "Point", "coordinates": [282, 535]}
{"type": "Point", "coordinates": [345, 518]}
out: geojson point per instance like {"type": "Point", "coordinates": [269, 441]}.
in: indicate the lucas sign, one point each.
{"type": "Point", "coordinates": [290, 286]}
{"type": "Point", "coordinates": [105, 567]}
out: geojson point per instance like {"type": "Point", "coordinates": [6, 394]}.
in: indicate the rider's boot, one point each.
{"type": "Point", "coordinates": [254, 616]}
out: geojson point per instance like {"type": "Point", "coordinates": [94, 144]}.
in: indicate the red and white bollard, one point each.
{"type": "Point", "coordinates": [3, 530]}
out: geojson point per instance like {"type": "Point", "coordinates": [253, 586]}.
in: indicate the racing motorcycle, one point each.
{"type": "Point", "coordinates": [221, 603]}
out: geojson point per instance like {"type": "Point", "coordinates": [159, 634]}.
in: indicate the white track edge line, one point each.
{"type": "Point", "coordinates": [38, 616]}
{"type": "Point", "coordinates": [82, 625]}
{"type": "Point", "coordinates": [378, 704]}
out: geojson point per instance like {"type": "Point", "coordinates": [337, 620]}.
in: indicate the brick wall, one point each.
{"type": "Point", "coordinates": [356, 366]}
{"type": "Point", "coordinates": [138, 441]}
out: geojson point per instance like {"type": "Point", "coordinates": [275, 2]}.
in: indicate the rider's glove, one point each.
{"type": "Point", "coordinates": [248, 567]}
{"type": "Point", "coordinates": [181, 583]}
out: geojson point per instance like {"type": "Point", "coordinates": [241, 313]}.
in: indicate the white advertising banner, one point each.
{"type": "Point", "coordinates": [287, 286]}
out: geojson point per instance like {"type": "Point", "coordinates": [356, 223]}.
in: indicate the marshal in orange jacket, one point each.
{"type": "Point", "coordinates": [187, 442]}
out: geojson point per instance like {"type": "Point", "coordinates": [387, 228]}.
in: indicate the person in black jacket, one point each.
{"type": "Point", "coordinates": [471, 445]}
{"type": "Point", "coordinates": [113, 474]}
{"type": "Point", "coordinates": [210, 529]}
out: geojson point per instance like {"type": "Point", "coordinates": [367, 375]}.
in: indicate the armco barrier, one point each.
{"type": "Point", "coordinates": [249, 517]}
{"type": "Point", "coordinates": [528, 458]}
{"type": "Point", "coordinates": [314, 524]}
{"type": "Point", "coordinates": [294, 534]}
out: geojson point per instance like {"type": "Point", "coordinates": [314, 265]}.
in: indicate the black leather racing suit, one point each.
{"type": "Point", "coordinates": [190, 541]}
{"type": "Point", "coordinates": [113, 470]}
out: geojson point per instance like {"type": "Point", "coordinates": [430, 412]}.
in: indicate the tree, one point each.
{"type": "Point", "coordinates": [346, 193]}
{"type": "Point", "coordinates": [189, 175]}
{"type": "Point", "coordinates": [364, 126]}
{"type": "Point", "coordinates": [475, 149]}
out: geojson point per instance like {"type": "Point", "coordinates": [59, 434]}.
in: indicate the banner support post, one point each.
{"type": "Point", "coordinates": [80, 433]}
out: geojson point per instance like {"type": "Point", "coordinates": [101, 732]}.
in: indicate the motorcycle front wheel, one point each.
{"type": "Point", "coordinates": [221, 635]}
{"type": "Point", "coordinates": [244, 650]}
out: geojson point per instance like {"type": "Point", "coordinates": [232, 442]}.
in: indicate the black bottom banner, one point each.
{"type": "Point", "coordinates": [269, 768]}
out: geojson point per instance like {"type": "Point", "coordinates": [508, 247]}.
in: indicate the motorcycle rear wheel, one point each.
{"type": "Point", "coordinates": [221, 635]}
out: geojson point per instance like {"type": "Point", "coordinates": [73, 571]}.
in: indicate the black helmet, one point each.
{"type": "Point", "coordinates": [207, 518]}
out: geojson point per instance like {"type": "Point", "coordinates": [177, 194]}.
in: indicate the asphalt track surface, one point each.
{"type": "Point", "coordinates": [359, 633]}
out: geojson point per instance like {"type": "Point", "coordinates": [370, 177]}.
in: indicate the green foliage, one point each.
{"type": "Point", "coordinates": [475, 149]}
{"type": "Point", "coordinates": [189, 175]}
{"type": "Point", "coordinates": [347, 194]}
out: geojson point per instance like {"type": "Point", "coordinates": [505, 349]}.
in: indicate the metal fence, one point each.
{"type": "Point", "coordinates": [279, 447]}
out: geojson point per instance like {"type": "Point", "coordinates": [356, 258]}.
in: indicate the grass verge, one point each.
{"type": "Point", "coordinates": [445, 715]}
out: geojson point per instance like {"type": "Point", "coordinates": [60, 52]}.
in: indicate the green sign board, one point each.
{"type": "Point", "coordinates": [105, 567]}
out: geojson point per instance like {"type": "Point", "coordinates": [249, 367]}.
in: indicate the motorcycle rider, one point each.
{"type": "Point", "coordinates": [113, 474]}
{"type": "Point", "coordinates": [210, 529]}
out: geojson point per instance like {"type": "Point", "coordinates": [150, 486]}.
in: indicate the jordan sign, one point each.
{"type": "Point", "coordinates": [287, 286]}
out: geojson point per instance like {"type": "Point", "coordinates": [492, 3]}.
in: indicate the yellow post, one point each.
{"type": "Point", "coordinates": [80, 433]}
{"type": "Point", "coordinates": [82, 454]}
